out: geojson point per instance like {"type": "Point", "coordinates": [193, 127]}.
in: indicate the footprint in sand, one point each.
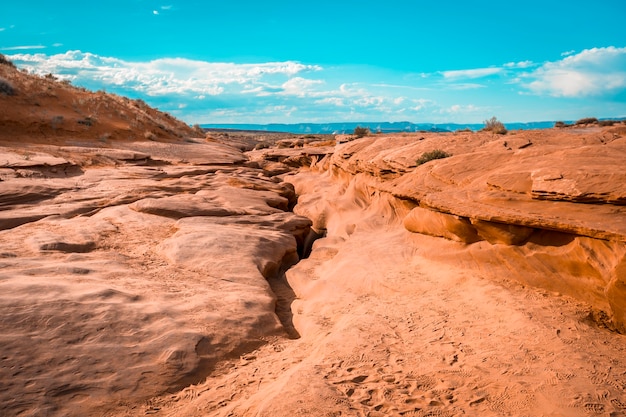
{"type": "Point", "coordinates": [594, 408]}
{"type": "Point", "coordinates": [618, 404]}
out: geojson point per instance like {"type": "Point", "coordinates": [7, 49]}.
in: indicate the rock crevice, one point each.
{"type": "Point", "coordinates": [511, 209]}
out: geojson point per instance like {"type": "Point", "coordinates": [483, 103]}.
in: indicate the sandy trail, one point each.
{"type": "Point", "coordinates": [387, 332]}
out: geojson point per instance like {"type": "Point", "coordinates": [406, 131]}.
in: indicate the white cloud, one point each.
{"type": "Point", "coordinates": [299, 86]}
{"type": "Point", "coordinates": [568, 53]}
{"type": "Point", "coordinates": [458, 108]}
{"type": "Point", "coordinates": [421, 104]}
{"type": "Point", "coordinates": [465, 86]}
{"type": "Point", "coordinates": [22, 47]}
{"type": "Point", "coordinates": [592, 72]}
{"type": "Point", "coordinates": [471, 73]}
{"type": "Point", "coordinates": [169, 75]}
{"type": "Point", "coordinates": [335, 101]}
{"type": "Point", "coordinates": [521, 64]}
{"type": "Point", "coordinates": [155, 12]}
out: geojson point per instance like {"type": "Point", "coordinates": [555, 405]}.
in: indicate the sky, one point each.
{"type": "Point", "coordinates": [332, 61]}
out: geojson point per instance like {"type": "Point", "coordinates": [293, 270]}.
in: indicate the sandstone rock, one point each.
{"type": "Point", "coordinates": [506, 234]}
{"type": "Point", "coordinates": [52, 242]}
{"type": "Point", "coordinates": [429, 222]}
{"type": "Point", "coordinates": [9, 159]}
{"type": "Point", "coordinates": [102, 300]}
{"type": "Point", "coordinates": [122, 155]}
{"type": "Point", "coordinates": [616, 295]}
{"type": "Point", "coordinates": [180, 206]}
{"type": "Point", "coordinates": [248, 254]}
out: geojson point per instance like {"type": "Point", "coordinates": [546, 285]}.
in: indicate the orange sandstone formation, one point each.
{"type": "Point", "coordinates": [145, 270]}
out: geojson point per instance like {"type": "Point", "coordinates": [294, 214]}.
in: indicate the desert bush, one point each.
{"type": "Point", "coordinates": [607, 122]}
{"type": "Point", "coordinates": [360, 132]}
{"type": "Point", "coordinates": [560, 124]}
{"type": "Point", "coordinates": [495, 126]}
{"type": "Point", "coordinates": [6, 88]}
{"type": "Point", "coordinates": [5, 61]}
{"type": "Point", "coordinates": [141, 104]}
{"type": "Point", "coordinates": [261, 145]}
{"type": "Point", "coordinates": [432, 155]}
{"type": "Point", "coordinates": [198, 129]}
{"type": "Point", "coordinates": [587, 121]}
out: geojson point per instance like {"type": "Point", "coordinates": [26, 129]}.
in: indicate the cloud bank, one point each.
{"type": "Point", "coordinates": [290, 91]}
{"type": "Point", "coordinates": [158, 77]}
{"type": "Point", "coordinates": [592, 72]}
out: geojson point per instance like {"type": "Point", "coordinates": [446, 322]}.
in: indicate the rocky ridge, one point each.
{"type": "Point", "coordinates": [547, 207]}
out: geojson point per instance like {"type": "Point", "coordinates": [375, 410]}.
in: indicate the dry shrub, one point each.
{"type": "Point", "coordinates": [5, 61]}
{"type": "Point", "coordinates": [587, 121]}
{"type": "Point", "coordinates": [494, 125]}
{"type": "Point", "coordinates": [6, 88]}
{"type": "Point", "coordinates": [360, 132]}
{"type": "Point", "coordinates": [432, 155]}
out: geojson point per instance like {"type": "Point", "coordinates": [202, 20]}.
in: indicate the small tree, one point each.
{"type": "Point", "coordinates": [360, 132]}
{"type": "Point", "coordinates": [495, 126]}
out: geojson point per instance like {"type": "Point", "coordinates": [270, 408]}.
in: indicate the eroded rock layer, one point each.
{"type": "Point", "coordinates": [121, 281]}
{"type": "Point", "coordinates": [544, 207]}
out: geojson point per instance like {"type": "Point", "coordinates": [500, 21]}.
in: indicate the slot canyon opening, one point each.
{"type": "Point", "coordinates": [281, 288]}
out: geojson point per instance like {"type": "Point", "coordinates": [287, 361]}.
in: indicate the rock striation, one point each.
{"type": "Point", "coordinates": [134, 270]}
{"type": "Point", "coordinates": [546, 207]}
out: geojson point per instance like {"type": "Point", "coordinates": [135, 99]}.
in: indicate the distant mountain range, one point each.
{"type": "Point", "coordinates": [384, 127]}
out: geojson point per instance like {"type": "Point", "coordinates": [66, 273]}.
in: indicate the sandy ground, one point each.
{"type": "Point", "coordinates": [387, 331]}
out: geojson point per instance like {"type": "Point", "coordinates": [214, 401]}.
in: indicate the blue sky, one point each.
{"type": "Point", "coordinates": [331, 61]}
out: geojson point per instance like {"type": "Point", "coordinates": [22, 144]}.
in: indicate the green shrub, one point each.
{"type": "Point", "coordinates": [360, 132]}
{"type": "Point", "coordinates": [429, 156]}
{"type": "Point", "coordinates": [6, 88]}
{"type": "Point", "coordinates": [495, 126]}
